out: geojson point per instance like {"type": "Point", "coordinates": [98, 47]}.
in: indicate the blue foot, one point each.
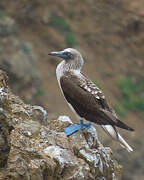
{"type": "Point", "coordinates": [75, 127]}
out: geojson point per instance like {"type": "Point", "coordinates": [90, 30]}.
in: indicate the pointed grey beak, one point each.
{"type": "Point", "coordinates": [60, 54]}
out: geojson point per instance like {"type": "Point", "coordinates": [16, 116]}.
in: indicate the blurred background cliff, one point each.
{"type": "Point", "coordinates": [110, 36]}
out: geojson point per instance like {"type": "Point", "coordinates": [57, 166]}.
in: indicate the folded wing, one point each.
{"type": "Point", "coordinates": [89, 101]}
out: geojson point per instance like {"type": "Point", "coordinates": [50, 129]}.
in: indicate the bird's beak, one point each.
{"type": "Point", "coordinates": [58, 54]}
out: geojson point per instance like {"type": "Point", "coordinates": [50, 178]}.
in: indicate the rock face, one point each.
{"type": "Point", "coordinates": [34, 147]}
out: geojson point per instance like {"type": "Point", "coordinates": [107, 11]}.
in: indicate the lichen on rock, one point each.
{"type": "Point", "coordinates": [34, 147]}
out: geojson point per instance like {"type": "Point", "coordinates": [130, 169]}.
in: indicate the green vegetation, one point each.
{"type": "Point", "coordinates": [70, 39]}
{"type": "Point", "coordinates": [39, 92]}
{"type": "Point", "coordinates": [59, 23]}
{"type": "Point", "coordinates": [26, 48]}
{"type": "Point", "coordinates": [128, 87]}
{"type": "Point", "coordinates": [2, 14]}
{"type": "Point", "coordinates": [64, 28]}
{"type": "Point", "coordinates": [131, 99]}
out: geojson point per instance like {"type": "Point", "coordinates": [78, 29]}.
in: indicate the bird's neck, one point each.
{"type": "Point", "coordinates": [72, 64]}
{"type": "Point", "coordinates": [64, 67]}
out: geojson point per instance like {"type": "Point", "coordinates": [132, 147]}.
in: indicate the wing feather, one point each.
{"type": "Point", "coordinates": [89, 106]}
{"type": "Point", "coordinates": [88, 100]}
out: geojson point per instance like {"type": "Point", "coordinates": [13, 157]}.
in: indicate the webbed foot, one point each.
{"type": "Point", "coordinates": [75, 127]}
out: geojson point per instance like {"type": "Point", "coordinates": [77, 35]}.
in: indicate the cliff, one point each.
{"type": "Point", "coordinates": [109, 35]}
{"type": "Point", "coordinates": [34, 146]}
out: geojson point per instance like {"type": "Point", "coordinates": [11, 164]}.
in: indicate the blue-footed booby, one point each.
{"type": "Point", "coordinates": [85, 98]}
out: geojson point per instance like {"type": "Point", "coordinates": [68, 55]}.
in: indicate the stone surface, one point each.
{"type": "Point", "coordinates": [34, 147]}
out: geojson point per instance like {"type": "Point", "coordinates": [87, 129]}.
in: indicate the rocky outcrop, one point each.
{"type": "Point", "coordinates": [110, 36]}
{"type": "Point", "coordinates": [34, 147]}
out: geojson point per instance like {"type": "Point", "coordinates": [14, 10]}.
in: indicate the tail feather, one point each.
{"type": "Point", "coordinates": [124, 126]}
{"type": "Point", "coordinates": [111, 118]}
{"type": "Point", "coordinates": [111, 131]}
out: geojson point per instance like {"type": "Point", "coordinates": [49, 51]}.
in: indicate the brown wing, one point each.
{"type": "Point", "coordinates": [90, 87]}
{"type": "Point", "coordinates": [88, 100]}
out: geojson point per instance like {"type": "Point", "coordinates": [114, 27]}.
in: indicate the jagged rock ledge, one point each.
{"type": "Point", "coordinates": [34, 147]}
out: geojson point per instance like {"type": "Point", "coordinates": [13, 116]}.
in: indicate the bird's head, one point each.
{"type": "Point", "coordinates": [71, 56]}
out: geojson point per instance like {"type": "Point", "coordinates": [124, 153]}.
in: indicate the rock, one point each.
{"type": "Point", "coordinates": [34, 147]}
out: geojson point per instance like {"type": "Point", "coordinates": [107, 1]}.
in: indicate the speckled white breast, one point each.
{"type": "Point", "coordinates": [59, 73]}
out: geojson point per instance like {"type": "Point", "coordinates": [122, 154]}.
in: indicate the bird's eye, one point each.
{"type": "Point", "coordinates": [67, 55]}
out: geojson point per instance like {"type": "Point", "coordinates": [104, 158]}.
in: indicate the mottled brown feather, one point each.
{"type": "Point", "coordinates": [93, 107]}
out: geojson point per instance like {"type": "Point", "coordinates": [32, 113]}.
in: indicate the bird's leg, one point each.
{"type": "Point", "coordinates": [75, 127]}
{"type": "Point", "coordinates": [81, 124]}
{"type": "Point", "coordinates": [84, 125]}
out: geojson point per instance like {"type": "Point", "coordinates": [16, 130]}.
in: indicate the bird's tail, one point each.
{"type": "Point", "coordinates": [112, 132]}
{"type": "Point", "coordinates": [124, 126]}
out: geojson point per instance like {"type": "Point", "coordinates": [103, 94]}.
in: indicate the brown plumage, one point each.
{"type": "Point", "coordinates": [89, 101]}
{"type": "Point", "coordinates": [84, 97]}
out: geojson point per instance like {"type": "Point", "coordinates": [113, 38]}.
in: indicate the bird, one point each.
{"type": "Point", "coordinates": [85, 99]}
